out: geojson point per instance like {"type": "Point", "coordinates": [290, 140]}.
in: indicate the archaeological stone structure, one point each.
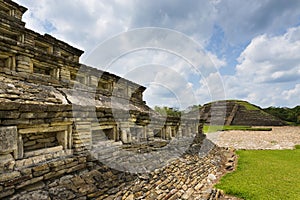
{"type": "Point", "coordinates": [236, 112]}
{"type": "Point", "coordinates": [70, 131]}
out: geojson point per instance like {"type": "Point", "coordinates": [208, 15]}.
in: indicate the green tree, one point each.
{"type": "Point", "coordinates": [172, 112]}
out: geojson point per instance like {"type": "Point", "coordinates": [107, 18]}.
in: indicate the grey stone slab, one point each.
{"type": "Point", "coordinates": [8, 139]}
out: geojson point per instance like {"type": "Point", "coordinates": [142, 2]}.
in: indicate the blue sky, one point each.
{"type": "Point", "coordinates": [252, 48]}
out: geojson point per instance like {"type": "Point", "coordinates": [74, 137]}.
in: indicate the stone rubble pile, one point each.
{"type": "Point", "coordinates": [187, 177]}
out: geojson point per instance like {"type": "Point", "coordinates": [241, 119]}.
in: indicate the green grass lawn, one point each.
{"type": "Point", "coordinates": [210, 129]}
{"type": "Point", "coordinates": [265, 174]}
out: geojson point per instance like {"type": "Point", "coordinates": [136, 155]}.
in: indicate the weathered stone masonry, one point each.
{"type": "Point", "coordinates": [53, 109]}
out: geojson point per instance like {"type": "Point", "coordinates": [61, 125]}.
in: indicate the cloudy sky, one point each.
{"type": "Point", "coordinates": [200, 50]}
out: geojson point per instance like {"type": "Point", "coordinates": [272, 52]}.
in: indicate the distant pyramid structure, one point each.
{"type": "Point", "coordinates": [237, 112]}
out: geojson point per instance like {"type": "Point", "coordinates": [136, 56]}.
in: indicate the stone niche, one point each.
{"type": "Point", "coordinates": [104, 133]}
{"type": "Point", "coordinates": [138, 133]}
{"type": "Point", "coordinates": [8, 62]}
{"type": "Point", "coordinates": [24, 64]}
{"type": "Point", "coordinates": [173, 131]}
{"type": "Point", "coordinates": [44, 47]}
{"type": "Point", "coordinates": [8, 140]}
{"type": "Point", "coordinates": [35, 141]}
{"type": "Point", "coordinates": [41, 139]}
{"type": "Point", "coordinates": [157, 133]}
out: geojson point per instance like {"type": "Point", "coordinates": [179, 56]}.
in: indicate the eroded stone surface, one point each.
{"type": "Point", "coordinates": [8, 139]}
{"type": "Point", "coordinates": [187, 177]}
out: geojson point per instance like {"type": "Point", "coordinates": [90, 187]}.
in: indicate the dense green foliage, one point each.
{"type": "Point", "coordinates": [264, 174]}
{"type": "Point", "coordinates": [166, 111]}
{"type": "Point", "coordinates": [286, 114]}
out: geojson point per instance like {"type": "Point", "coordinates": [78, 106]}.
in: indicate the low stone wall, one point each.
{"type": "Point", "coordinates": [34, 170]}
{"type": "Point", "coordinates": [188, 177]}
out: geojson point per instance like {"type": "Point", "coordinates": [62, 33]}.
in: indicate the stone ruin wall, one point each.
{"type": "Point", "coordinates": [48, 122]}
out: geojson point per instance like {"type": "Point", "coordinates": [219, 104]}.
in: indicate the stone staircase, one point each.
{"type": "Point", "coordinates": [232, 115]}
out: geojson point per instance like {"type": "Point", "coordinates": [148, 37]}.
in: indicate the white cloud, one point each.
{"type": "Point", "coordinates": [81, 23]}
{"type": "Point", "coordinates": [211, 89]}
{"type": "Point", "coordinates": [292, 95]}
{"type": "Point", "coordinates": [269, 67]}
{"type": "Point", "coordinates": [271, 59]}
{"type": "Point", "coordinates": [243, 20]}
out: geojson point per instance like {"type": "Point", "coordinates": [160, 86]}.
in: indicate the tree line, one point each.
{"type": "Point", "coordinates": [286, 114]}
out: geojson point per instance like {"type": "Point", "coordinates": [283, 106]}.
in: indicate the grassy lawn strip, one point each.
{"type": "Point", "coordinates": [210, 129]}
{"type": "Point", "coordinates": [264, 174]}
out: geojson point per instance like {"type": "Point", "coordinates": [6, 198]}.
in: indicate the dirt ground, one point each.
{"type": "Point", "coordinates": [285, 137]}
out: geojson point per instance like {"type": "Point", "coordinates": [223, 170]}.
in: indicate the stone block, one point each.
{"type": "Point", "coordinates": [42, 152]}
{"type": "Point", "coordinates": [46, 140]}
{"type": "Point", "coordinates": [77, 181]}
{"type": "Point", "coordinates": [40, 173]}
{"type": "Point", "coordinates": [26, 171]}
{"type": "Point", "coordinates": [34, 115]}
{"type": "Point", "coordinates": [36, 186]}
{"type": "Point", "coordinates": [6, 193]}
{"type": "Point", "coordinates": [69, 160]}
{"type": "Point", "coordinates": [54, 174]}
{"type": "Point", "coordinates": [8, 139]}
{"type": "Point", "coordinates": [7, 162]}
{"type": "Point", "coordinates": [21, 163]}
{"type": "Point", "coordinates": [55, 164]}
{"type": "Point", "coordinates": [33, 108]}
{"type": "Point", "coordinates": [59, 108]}
{"type": "Point", "coordinates": [70, 165]}
{"type": "Point", "coordinates": [17, 180]}
{"type": "Point", "coordinates": [82, 160]}
{"type": "Point", "coordinates": [24, 58]}
{"type": "Point", "coordinates": [29, 182]}
{"type": "Point", "coordinates": [63, 139]}
{"type": "Point", "coordinates": [41, 167]}
{"type": "Point", "coordinates": [29, 143]}
{"type": "Point", "coordinates": [10, 106]}
{"type": "Point", "coordinates": [24, 68]}
{"type": "Point", "coordinates": [9, 176]}
{"type": "Point", "coordinates": [38, 159]}
{"type": "Point", "coordinates": [76, 168]}
{"type": "Point", "coordinates": [42, 129]}
{"type": "Point", "coordinates": [9, 115]}
{"type": "Point", "coordinates": [18, 122]}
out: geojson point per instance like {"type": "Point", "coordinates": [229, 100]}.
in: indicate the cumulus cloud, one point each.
{"type": "Point", "coordinates": [271, 59]}
{"type": "Point", "coordinates": [268, 68]}
{"type": "Point", "coordinates": [81, 23]}
{"type": "Point", "coordinates": [293, 94]}
{"type": "Point", "coordinates": [192, 17]}
{"type": "Point", "coordinates": [243, 20]}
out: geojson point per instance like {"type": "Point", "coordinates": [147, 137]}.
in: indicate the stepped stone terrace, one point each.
{"type": "Point", "coordinates": [60, 118]}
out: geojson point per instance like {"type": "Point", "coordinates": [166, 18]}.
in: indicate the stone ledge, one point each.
{"type": "Point", "coordinates": [43, 151]}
